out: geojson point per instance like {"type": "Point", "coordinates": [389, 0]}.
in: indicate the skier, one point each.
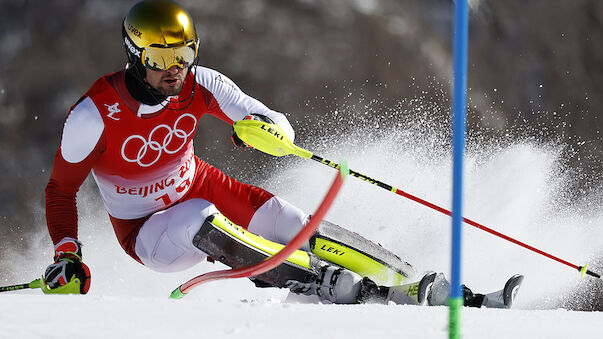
{"type": "Point", "coordinates": [133, 130]}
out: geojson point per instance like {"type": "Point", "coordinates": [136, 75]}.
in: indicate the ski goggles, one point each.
{"type": "Point", "coordinates": [162, 58]}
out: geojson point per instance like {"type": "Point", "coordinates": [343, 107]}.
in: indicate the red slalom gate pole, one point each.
{"type": "Point", "coordinates": [279, 257]}
{"type": "Point", "coordinates": [496, 233]}
{"type": "Point", "coordinates": [582, 269]}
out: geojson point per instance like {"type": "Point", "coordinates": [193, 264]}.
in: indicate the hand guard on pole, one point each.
{"type": "Point", "coordinates": [268, 138]}
{"type": "Point", "coordinates": [259, 117]}
{"type": "Point", "coordinates": [68, 274]}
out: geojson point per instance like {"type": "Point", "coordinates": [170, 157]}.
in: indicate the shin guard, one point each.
{"type": "Point", "coordinates": [236, 247]}
{"type": "Point", "coordinates": [350, 250]}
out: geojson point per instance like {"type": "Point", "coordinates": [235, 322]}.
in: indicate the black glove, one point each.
{"type": "Point", "coordinates": [68, 274]}
{"type": "Point", "coordinates": [240, 143]}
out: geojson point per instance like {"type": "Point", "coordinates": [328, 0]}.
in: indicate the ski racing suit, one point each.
{"type": "Point", "coordinates": [143, 161]}
{"type": "Point", "coordinates": [159, 194]}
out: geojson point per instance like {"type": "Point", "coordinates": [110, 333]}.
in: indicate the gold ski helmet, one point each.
{"type": "Point", "coordinates": [160, 34]}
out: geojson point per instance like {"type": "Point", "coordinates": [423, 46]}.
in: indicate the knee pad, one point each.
{"type": "Point", "coordinates": [278, 221]}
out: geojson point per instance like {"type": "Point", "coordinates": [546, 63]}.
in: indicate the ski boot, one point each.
{"type": "Point", "coordinates": [333, 284]}
{"type": "Point", "coordinates": [341, 286]}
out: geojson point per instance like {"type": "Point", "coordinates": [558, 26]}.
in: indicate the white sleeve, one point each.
{"type": "Point", "coordinates": [83, 128]}
{"type": "Point", "coordinates": [234, 102]}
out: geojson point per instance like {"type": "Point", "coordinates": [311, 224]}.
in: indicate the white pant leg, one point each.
{"type": "Point", "coordinates": [165, 241]}
{"type": "Point", "coordinates": [278, 221]}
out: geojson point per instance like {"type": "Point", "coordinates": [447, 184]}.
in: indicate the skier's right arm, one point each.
{"type": "Point", "coordinates": [82, 144]}
{"type": "Point", "coordinates": [63, 185]}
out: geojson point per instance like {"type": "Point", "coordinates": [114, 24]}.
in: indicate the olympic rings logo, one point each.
{"type": "Point", "coordinates": [165, 145]}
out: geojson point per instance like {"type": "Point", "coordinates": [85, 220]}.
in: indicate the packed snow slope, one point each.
{"type": "Point", "coordinates": [217, 312]}
{"type": "Point", "coordinates": [517, 186]}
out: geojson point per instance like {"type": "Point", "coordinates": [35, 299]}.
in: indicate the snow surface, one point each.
{"type": "Point", "coordinates": [210, 316]}
{"type": "Point", "coordinates": [517, 188]}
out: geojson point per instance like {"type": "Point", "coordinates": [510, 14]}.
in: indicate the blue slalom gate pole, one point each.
{"type": "Point", "coordinates": [459, 106]}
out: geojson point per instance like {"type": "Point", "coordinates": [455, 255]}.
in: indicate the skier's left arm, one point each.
{"type": "Point", "coordinates": [226, 101]}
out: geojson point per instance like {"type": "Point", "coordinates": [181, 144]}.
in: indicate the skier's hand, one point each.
{"type": "Point", "coordinates": [68, 274]}
{"type": "Point", "coordinates": [240, 143]}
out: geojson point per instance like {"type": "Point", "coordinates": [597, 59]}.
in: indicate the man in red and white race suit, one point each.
{"type": "Point", "coordinates": [156, 191]}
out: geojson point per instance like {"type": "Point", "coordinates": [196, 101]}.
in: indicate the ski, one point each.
{"type": "Point", "coordinates": [511, 288]}
{"type": "Point", "coordinates": [433, 290]}
{"type": "Point", "coordinates": [504, 298]}
{"type": "Point", "coordinates": [414, 293]}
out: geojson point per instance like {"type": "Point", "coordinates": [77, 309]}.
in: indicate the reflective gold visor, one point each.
{"type": "Point", "coordinates": [161, 59]}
